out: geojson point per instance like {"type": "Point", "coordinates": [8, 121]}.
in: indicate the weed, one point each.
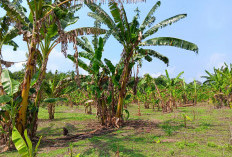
{"type": "Point", "coordinates": [171, 152]}
{"type": "Point", "coordinates": [184, 144]}
{"type": "Point", "coordinates": [213, 145]}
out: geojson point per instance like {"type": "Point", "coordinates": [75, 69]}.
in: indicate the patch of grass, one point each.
{"type": "Point", "coordinates": [184, 144]}
{"type": "Point", "coordinates": [64, 113]}
{"type": "Point", "coordinates": [169, 128]}
{"type": "Point", "coordinates": [207, 135]}
{"type": "Point", "coordinates": [212, 144]}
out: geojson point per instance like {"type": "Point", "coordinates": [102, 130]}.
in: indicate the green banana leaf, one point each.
{"type": "Point", "coordinates": [10, 86]}
{"type": "Point", "coordinates": [4, 99]}
{"type": "Point", "coordinates": [52, 100]}
{"type": "Point", "coordinates": [19, 143]}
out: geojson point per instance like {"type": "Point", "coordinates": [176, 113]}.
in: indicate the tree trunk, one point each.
{"type": "Point", "coordinates": [195, 99]}
{"type": "Point", "coordinates": [51, 110]}
{"type": "Point", "coordinates": [139, 113]}
{"type": "Point", "coordinates": [1, 87]}
{"type": "Point", "coordinates": [136, 84]}
{"type": "Point", "coordinates": [160, 98]}
{"type": "Point", "coordinates": [184, 98]}
{"type": "Point", "coordinates": [5, 126]}
{"type": "Point", "coordinates": [146, 103]}
{"type": "Point", "coordinates": [122, 92]}
{"type": "Point", "coordinates": [101, 111]}
{"type": "Point", "coordinates": [34, 123]}
{"type": "Point", "coordinates": [77, 69]}
{"type": "Point", "coordinates": [111, 89]}
{"type": "Point", "coordinates": [21, 121]}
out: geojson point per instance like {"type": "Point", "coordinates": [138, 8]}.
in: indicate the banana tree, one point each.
{"type": "Point", "coordinates": [195, 87]}
{"type": "Point", "coordinates": [145, 86]}
{"type": "Point", "coordinates": [171, 85]}
{"type": "Point", "coordinates": [184, 91]}
{"type": "Point", "coordinates": [132, 36]}
{"type": "Point", "coordinates": [102, 80]}
{"type": "Point", "coordinates": [43, 13]}
{"type": "Point", "coordinates": [220, 83]}
{"type": "Point", "coordinates": [136, 79]}
{"type": "Point", "coordinates": [6, 38]}
{"type": "Point", "coordinates": [7, 35]}
{"type": "Point", "coordinates": [51, 37]}
{"type": "Point", "coordinates": [24, 146]}
{"type": "Point", "coordinates": [55, 90]}
{"type": "Point", "coordinates": [9, 109]}
{"type": "Point", "coordinates": [227, 74]}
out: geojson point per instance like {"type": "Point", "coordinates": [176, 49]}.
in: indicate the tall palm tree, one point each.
{"type": "Point", "coordinates": [133, 36]}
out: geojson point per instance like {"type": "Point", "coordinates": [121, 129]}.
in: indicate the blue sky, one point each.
{"type": "Point", "coordinates": [208, 25]}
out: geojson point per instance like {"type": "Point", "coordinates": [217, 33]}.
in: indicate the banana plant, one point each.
{"type": "Point", "coordinates": [55, 90]}
{"type": "Point", "coordinates": [220, 83]}
{"type": "Point", "coordinates": [171, 90]}
{"type": "Point", "coordinates": [6, 38]}
{"type": "Point", "coordinates": [145, 86]}
{"type": "Point", "coordinates": [24, 147]}
{"type": "Point", "coordinates": [9, 109]}
{"type": "Point", "coordinates": [42, 15]}
{"type": "Point", "coordinates": [132, 37]}
{"type": "Point", "coordinates": [10, 87]}
{"type": "Point", "coordinates": [184, 95]}
{"type": "Point", "coordinates": [103, 77]}
{"type": "Point", "coordinates": [186, 118]}
{"type": "Point", "coordinates": [195, 87]}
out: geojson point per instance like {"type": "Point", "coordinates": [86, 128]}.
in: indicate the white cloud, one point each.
{"type": "Point", "coordinates": [217, 60]}
{"type": "Point", "coordinates": [57, 61]}
{"type": "Point", "coordinates": [155, 75]}
{"type": "Point", "coordinates": [83, 72]}
{"type": "Point", "coordinates": [14, 56]}
{"type": "Point", "coordinates": [171, 71]}
{"type": "Point", "coordinates": [17, 66]}
{"type": "Point", "coordinates": [114, 61]}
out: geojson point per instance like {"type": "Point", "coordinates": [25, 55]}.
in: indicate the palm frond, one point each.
{"type": "Point", "coordinates": [82, 44]}
{"type": "Point", "coordinates": [169, 41]}
{"type": "Point", "coordinates": [97, 24]}
{"type": "Point", "coordinates": [14, 12]}
{"type": "Point", "coordinates": [12, 43]}
{"type": "Point", "coordinates": [149, 18]}
{"type": "Point", "coordinates": [86, 55]}
{"type": "Point", "coordinates": [153, 53]}
{"type": "Point", "coordinates": [117, 15]}
{"type": "Point", "coordinates": [163, 24]}
{"type": "Point", "coordinates": [97, 57]}
{"type": "Point", "coordinates": [112, 28]}
{"type": "Point", "coordinates": [87, 43]}
{"type": "Point", "coordinates": [106, 37]}
{"type": "Point", "coordinates": [85, 31]}
{"type": "Point", "coordinates": [110, 65]}
{"type": "Point", "coordinates": [12, 33]}
{"type": "Point", "coordinates": [81, 63]}
{"type": "Point", "coordinates": [105, 18]}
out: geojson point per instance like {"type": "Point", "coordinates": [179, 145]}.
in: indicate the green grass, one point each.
{"type": "Point", "coordinates": [152, 134]}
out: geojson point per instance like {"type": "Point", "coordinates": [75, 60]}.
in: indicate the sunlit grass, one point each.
{"type": "Point", "coordinates": [206, 134]}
